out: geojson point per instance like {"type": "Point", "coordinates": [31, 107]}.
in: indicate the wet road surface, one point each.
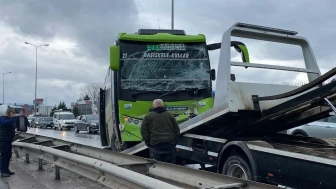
{"type": "Point", "coordinates": [69, 135]}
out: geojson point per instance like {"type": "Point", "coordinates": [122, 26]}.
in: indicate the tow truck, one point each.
{"type": "Point", "coordinates": [241, 135]}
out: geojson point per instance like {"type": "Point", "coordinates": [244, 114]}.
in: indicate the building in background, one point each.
{"type": "Point", "coordinates": [39, 101]}
{"type": "Point", "coordinates": [30, 108]}
{"type": "Point", "coordinates": [85, 107]}
{"type": "Point", "coordinates": [43, 111]}
{"type": "Point", "coordinates": [41, 108]}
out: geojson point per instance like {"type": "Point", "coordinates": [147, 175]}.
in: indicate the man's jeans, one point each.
{"type": "Point", "coordinates": [163, 152]}
{"type": "Point", "coordinates": [6, 154]}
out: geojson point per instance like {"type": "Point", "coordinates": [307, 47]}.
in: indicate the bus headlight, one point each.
{"type": "Point", "coordinates": [132, 121]}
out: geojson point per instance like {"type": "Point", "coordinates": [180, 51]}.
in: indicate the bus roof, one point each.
{"type": "Point", "coordinates": [155, 31]}
{"type": "Point", "coordinates": [163, 37]}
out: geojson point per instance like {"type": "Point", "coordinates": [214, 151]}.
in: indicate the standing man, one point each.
{"type": "Point", "coordinates": [160, 132]}
{"type": "Point", "coordinates": [25, 111]}
{"type": "Point", "coordinates": [7, 132]}
{"type": "Point", "coordinates": [22, 123]}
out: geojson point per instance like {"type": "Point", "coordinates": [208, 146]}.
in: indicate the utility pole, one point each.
{"type": "Point", "coordinates": [172, 15]}
{"type": "Point", "coordinates": [46, 107]}
{"type": "Point", "coordinates": [36, 46]}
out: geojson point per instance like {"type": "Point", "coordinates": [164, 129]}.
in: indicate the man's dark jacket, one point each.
{"type": "Point", "coordinates": [17, 123]}
{"type": "Point", "coordinates": [160, 127]}
{"type": "Point", "coordinates": [7, 129]}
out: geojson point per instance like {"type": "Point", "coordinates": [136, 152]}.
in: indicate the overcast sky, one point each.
{"type": "Point", "coordinates": [80, 31]}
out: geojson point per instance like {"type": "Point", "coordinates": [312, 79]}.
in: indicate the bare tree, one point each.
{"type": "Point", "coordinates": [92, 91]}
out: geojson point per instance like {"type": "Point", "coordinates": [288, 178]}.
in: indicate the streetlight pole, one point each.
{"type": "Point", "coordinates": [3, 86]}
{"type": "Point", "coordinates": [36, 46]}
{"type": "Point", "coordinates": [45, 107]}
{"type": "Point", "coordinates": [172, 16]}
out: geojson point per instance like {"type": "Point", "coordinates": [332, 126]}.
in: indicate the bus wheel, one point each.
{"type": "Point", "coordinates": [237, 166]}
{"type": "Point", "coordinates": [116, 145]}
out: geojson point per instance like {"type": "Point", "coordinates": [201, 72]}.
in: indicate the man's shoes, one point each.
{"type": "Point", "coordinates": [11, 173]}
{"type": "Point", "coordinates": [5, 175]}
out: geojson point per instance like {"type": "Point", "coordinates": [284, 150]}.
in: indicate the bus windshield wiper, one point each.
{"type": "Point", "coordinates": [167, 93]}
{"type": "Point", "coordinates": [136, 93]}
{"type": "Point", "coordinates": [195, 90]}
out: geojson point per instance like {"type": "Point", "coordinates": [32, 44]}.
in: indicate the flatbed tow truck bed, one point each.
{"type": "Point", "coordinates": [240, 135]}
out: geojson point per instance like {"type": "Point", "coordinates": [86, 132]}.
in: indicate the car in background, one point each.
{"type": "Point", "coordinates": [77, 118]}
{"type": "Point", "coordinates": [35, 122]}
{"type": "Point", "coordinates": [30, 118]}
{"type": "Point", "coordinates": [325, 128]}
{"type": "Point", "coordinates": [63, 119]}
{"type": "Point", "coordinates": [88, 123]}
{"type": "Point", "coordinates": [46, 122]}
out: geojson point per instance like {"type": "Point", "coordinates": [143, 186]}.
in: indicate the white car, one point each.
{"type": "Point", "coordinates": [64, 120]}
{"type": "Point", "coordinates": [325, 128]}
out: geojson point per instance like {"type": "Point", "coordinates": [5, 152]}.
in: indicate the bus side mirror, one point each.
{"type": "Point", "coordinates": [242, 49]}
{"type": "Point", "coordinates": [114, 57]}
{"type": "Point", "coordinates": [213, 74]}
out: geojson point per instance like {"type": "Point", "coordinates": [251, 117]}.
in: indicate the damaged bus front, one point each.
{"type": "Point", "coordinates": [151, 64]}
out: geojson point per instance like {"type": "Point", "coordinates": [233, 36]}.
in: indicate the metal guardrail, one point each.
{"type": "Point", "coordinates": [118, 170]}
{"type": "Point", "coordinates": [87, 166]}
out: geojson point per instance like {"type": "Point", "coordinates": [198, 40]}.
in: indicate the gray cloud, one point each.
{"type": "Point", "coordinates": [93, 24]}
{"type": "Point", "coordinates": [311, 19]}
{"type": "Point", "coordinates": [59, 76]}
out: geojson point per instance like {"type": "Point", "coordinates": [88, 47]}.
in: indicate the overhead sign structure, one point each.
{"type": "Point", "coordinates": [39, 101]}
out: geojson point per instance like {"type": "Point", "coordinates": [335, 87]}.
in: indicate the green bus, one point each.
{"type": "Point", "coordinates": [152, 64]}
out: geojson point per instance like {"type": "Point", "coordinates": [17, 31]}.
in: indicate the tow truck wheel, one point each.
{"type": "Point", "coordinates": [237, 166]}
{"type": "Point", "coordinates": [116, 145]}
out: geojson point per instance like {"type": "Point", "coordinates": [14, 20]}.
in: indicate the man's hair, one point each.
{"type": "Point", "coordinates": [157, 103]}
{"type": "Point", "coordinates": [9, 110]}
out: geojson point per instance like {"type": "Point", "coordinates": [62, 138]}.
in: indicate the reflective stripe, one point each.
{"type": "Point", "coordinates": [190, 149]}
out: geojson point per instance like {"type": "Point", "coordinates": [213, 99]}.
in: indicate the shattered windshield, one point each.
{"type": "Point", "coordinates": [164, 66]}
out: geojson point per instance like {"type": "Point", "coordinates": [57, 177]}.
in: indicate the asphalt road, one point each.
{"type": "Point", "coordinates": [69, 135]}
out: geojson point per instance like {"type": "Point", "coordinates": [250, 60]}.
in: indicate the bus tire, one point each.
{"type": "Point", "coordinates": [115, 146]}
